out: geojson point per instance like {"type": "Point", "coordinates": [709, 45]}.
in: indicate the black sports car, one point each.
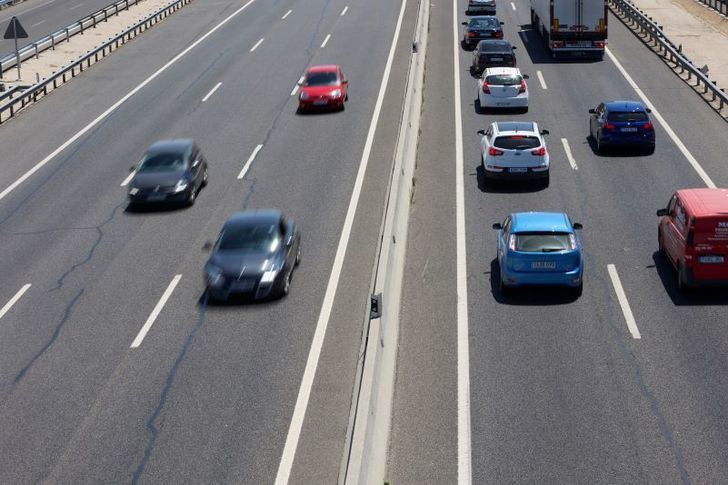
{"type": "Point", "coordinates": [479, 28]}
{"type": "Point", "coordinates": [169, 171]}
{"type": "Point", "coordinates": [493, 53]}
{"type": "Point", "coordinates": [254, 254]}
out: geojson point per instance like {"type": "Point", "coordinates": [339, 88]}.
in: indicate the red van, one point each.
{"type": "Point", "coordinates": [693, 235]}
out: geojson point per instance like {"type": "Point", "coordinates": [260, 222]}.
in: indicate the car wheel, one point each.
{"type": "Point", "coordinates": [192, 196]}
{"type": "Point", "coordinates": [298, 257]}
{"type": "Point", "coordinates": [546, 181]}
{"type": "Point", "coordinates": [577, 292]}
{"type": "Point", "coordinates": [204, 178]}
{"type": "Point", "coordinates": [504, 289]}
{"type": "Point", "coordinates": [286, 284]}
{"type": "Point", "coordinates": [650, 150]}
{"type": "Point", "coordinates": [660, 245]}
{"type": "Point", "coordinates": [599, 146]}
{"type": "Point", "coordinates": [682, 284]}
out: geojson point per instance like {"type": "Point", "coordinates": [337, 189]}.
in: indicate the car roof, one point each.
{"type": "Point", "coordinates": [494, 45]}
{"type": "Point", "coordinates": [540, 221]}
{"type": "Point", "coordinates": [323, 68]}
{"type": "Point", "coordinates": [624, 105]}
{"type": "Point", "coordinates": [515, 126]}
{"type": "Point", "coordinates": [180, 145]}
{"type": "Point", "coordinates": [255, 216]}
{"type": "Point", "coordinates": [496, 71]}
{"type": "Point", "coordinates": [705, 201]}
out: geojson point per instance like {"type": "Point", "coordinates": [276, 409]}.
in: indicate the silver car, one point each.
{"type": "Point", "coordinates": [514, 150]}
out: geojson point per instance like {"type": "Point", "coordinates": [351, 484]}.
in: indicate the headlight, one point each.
{"type": "Point", "coordinates": [269, 276]}
{"type": "Point", "coordinates": [214, 274]}
{"type": "Point", "coordinates": [133, 191]}
{"type": "Point", "coordinates": [181, 185]}
{"type": "Point", "coordinates": [336, 93]}
{"type": "Point", "coordinates": [303, 95]}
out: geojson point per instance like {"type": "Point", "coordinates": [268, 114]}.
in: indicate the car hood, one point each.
{"type": "Point", "coordinates": [319, 90]}
{"type": "Point", "coordinates": [149, 180]}
{"type": "Point", "coordinates": [240, 263]}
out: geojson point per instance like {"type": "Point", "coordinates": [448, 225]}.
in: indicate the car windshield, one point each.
{"type": "Point", "coordinates": [162, 162]}
{"type": "Point", "coordinates": [626, 116]}
{"type": "Point", "coordinates": [321, 79]}
{"type": "Point", "coordinates": [517, 142]}
{"type": "Point", "coordinates": [544, 242]}
{"type": "Point", "coordinates": [249, 237]}
{"type": "Point", "coordinates": [504, 79]}
{"type": "Point", "coordinates": [482, 24]}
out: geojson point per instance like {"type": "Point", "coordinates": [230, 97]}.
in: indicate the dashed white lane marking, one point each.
{"type": "Point", "coordinates": [14, 300]}
{"type": "Point", "coordinates": [309, 373]}
{"type": "Point", "coordinates": [116, 105]}
{"type": "Point", "coordinates": [128, 179]}
{"type": "Point", "coordinates": [256, 44]}
{"type": "Point", "coordinates": [656, 114]}
{"type": "Point", "coordinates": [155, 313]}
{"type": "Point", "coordinates": [326, 41]}
{"type": "Point", "coordinates": [626, 310]}
{"type": "Point", "coordinates": [513, 6]}
{"type": "Point", "coordinates": [297, 86]}
{"type": "Point", "coordinates": [38, 23]}
{"type": "Point", "coordinates": [541, 80]}
{"type": "Point", "coordinates": [464, 453]}
{"type": "Point", "coordinates": [343, 12]}
{"type": "Point", "coordinates": [567, 149]}
{"type": "Point", "coordinates": [212, 91]}
{"type": "Point", "coordinates": [247, 165]}
{"type": "Point", "coordinates": [286, 15]}
{"type": "Point", "coordinates": [76, 6]}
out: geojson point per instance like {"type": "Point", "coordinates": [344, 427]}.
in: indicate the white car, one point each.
{"type": "Point", "coordinates": [503, 87]}
{"type": "Point", "coordinates": [514, 150]}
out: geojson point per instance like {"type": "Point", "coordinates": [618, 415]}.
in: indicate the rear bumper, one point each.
{"type": "Point", "coordinates": [489, 101]}
{"type": "Point", "coordinates": [698, 280]}
{"type": "Point", "coordinates": [571, 279]}
{"type": "Point", "coordinates": [505, 175]}
{"type": "Point", "coordinates": [640, 140]}
{"type": "Point", "coordinates": [577, 52]}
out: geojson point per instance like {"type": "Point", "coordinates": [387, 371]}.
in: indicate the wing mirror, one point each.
{"type": "Point", "coordinates": [545, 132]}
{"type": "Point", "coordinates": [464, 23]}
{"type": "Point", "coordinates": [502, 23]}
{"type": "Point", "coordinates": [345, 81]}
{"type": "Point", "coordinates": [648, 110]}
{"type": "Point", "coordinates": [481, 132]}
{"type": "Point", "coordinates": [498, 226]}
{"type": "Point", "coordinates": [207, 246]}
{"type": "Point", "coordinates": [661, 212]}
{"type": "Point", "coordinates": [525, 76]}
{"type": "Point", "coordinates": [577, 226]}
{"type": "Point", "coordinates": [514, 47]}
{"type": "Point", "coordinates": [592, 111]}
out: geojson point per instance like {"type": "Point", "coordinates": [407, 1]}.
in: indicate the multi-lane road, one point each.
{"type": "Point", "coordinates": [114, 367]}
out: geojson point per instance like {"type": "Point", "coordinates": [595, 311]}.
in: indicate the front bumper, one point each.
{"type": "Point", "coordinates": [571, 279]}
{"type": "Point", "coordinates": [321, 103]}
{"type": "Point", "coordinates": [250, 286]}
{"type": "Point", "coordinates": [147, 197]}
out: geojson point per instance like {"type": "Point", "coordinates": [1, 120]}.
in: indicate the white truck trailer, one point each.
{"type": "Point", "coordinates": [571, 28]}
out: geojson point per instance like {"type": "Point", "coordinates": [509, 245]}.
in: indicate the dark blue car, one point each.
{"type": "Point", "coordinates": [622, 123]}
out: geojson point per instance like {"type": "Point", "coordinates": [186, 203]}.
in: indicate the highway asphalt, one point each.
{"type": "Point", "coordinates": [209, 395]}
{"type": "Point", "coordinates": [559, 390]}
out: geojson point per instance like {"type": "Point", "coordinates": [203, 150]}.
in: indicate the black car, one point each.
{"type": "Point", "coordinates": [479, 28]}
{"type": "Point", "coordinates": [170, 171]}
{"type": "Point", "coordinates": [255, 254]}
{"type": "Point", "coordinates": [482, 7]}
{"type": "Point", "coordinates": [493, 53]}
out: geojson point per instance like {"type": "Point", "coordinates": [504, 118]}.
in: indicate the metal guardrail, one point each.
{"type": "Point", "coordinates": [57, 79]}
{"type": "Point", "coordinates": [646, 26]}
{"type": "Point", "coordinates": [3, 3]}
{"type": "Point", "coordinates": [78, 27]}
{"type": "Point", "coordinates": [720, 5]}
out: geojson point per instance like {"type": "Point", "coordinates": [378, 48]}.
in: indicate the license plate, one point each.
{"type": "Point", "coordinates": [580, 43]}
{"type": "Point", "coordinates": [156, 197]}
{"type": "Point", "coordinates": [543, 265]}
{"type": "Point", "coordinates": [711, 259]}
{"type": "Point", "coordinates": [629, 129]}
{"type": "Point", "coordinates": [502, 104]}
{"type": "Point", "coordinates": [496, 59]}
{"type": "Point", "coordinates": [320, 102]}
{"type": "Point", "coordinates": [518, 170]}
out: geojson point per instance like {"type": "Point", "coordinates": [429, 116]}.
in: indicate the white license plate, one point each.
{"type": "Point", "coordinates": [543, 265]}
{"type": "Point", "coordinates": [321, 102]}
{"type": "Point", "coordinates": [156, 197]}
{"type": "Point", "coordinates": [496, 59]}
{"type": "Point", "coordinates": [518, 170]}
{"type": "Point", "coordinates": [711, 259]}
{"type": "Point", "coordinates": [580, 43]}
{"type": "Point", "coordinates": [629, 129]}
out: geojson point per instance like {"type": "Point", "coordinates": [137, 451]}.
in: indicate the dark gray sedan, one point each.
{"type": "Point", "coordinates": [169, 171]}
{"type": "Point", "coordinates": [255, 254]}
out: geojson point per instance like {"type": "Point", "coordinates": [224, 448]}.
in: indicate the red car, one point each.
{"type": "Point", "coordinates": [323, 87]}
{"type": "Point", "coordinates": [693, 235]}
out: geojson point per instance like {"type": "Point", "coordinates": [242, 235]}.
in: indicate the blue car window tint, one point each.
{"type": "Point", "coordinates": [626, 117]}
{"type": "Point", "coordinates": [543, 242]}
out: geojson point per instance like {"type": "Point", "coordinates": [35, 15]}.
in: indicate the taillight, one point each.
{"type": "Point", "coordinates": [498, 35]}
{"type": "Point", "coordinates": [608, 126]}
{"type": "Point", "coordinates": [556, 44]}
{"type": "Point", "coordinates": [494, 152]}
{"type": "Point", "coordinates": [522, 89]}
{"type": "Point", "coordinates": [539, 152]}
{"type": "Point", "coordinates": [648, 126]}
{"type": "Point", "coordinates": [471, 34]}
{"type": "Point", "coordinates": [486, 89]}
{"type": "Point", "coordinates": [512, 242]}
{"type": "Point", "coordinates": [599, 44]}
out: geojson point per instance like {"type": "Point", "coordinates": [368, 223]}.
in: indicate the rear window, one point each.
{"type": "Point", "coordinates": [500, 47]}
{"type": "Point", "coordinates": [544, 242]}
{"type": "Point", "coordinates": [504, 80]}
{"type": "Point", "coordinates": [482, 24]}
{"type": "Point", "coordinates": [517, 142]}
{"type": "Point", "coordinates": [626, 117]}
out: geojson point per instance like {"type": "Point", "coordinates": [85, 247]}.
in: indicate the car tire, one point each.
{"type": "Point", "coordinates": [504, 289]}
{"type": "Point", "coordinates": [191, 198]}
{"type": "Point", "coordinates": [660, 245]}
{"type": "Point", "coordinates": [682, 284]}
{"type": "Point", "coordinates": [650, 150]}
{"type": "Point", "coordinates": [298, 256]}
{"type": "Point", "coordinates": [546, 181]}
{"type": "Point", "coordinates": [285, 284]}
{"type": "Point", "coordinates": [599, 147]}
{"type": "Point", "coordinates": [577, 292]}
{"type": "Point", "coordinates": [204, 178]}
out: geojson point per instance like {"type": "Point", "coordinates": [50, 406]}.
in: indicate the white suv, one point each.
{"type": "Point", "coordinates": [514, 150]}
{"type": "Point", "coordinates": [503, 87]}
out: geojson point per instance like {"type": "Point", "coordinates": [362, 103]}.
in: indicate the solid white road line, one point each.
{"type": "Point", "coordinates": [567, 149]}
{"type": "Point", "coordinates": [297, 86]}
{"type": "Point", "coordinates": [256, 44]}
{"type": "Point", "coordinates": [128, 179]}
{"type": "Point", "coordinates": [212, 91]}
{"type": "Point", "coordinates": [513, 6]}
{"type": "Point", "coordinates": [155, 313]}
{"type": "Point", "coordinates": [539, 75]}
{"type": "Point", "coordinates": [123, 100]}
{"type": "Point", "coordinates": [309, 373]}
{"type": "Point", "coordinates": [656, 114]}
{"type": "Point", "coordinates": [343, 12]}
{"type": "Point", "coordinates": [326, 41]}
{"type": "Point", "coordinates": [626, 310]}
{"type": "Point", "coordinates": [465, 476]}
{"type": "Point", "coordinates": [286, 15]}
{"type": "Point", "coordinates": [14, 300]}
{"type": "Point", "coordinates": [247, 165]}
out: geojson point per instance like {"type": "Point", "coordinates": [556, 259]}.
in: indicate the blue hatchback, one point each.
{"type": "Point", "coordinates": [539, 248]}
{"type": "Point", "coordinates": [622, 123]}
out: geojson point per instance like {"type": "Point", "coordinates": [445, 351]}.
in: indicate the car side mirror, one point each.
{"type": "Point", "coordinates": [464, 23]}
{"type": "Point", "coordinates": [481, 132]}
{"type": "Point", "coordinates": [502, 23]}
{"type": "Point", "coordinates": [207, 246]}
{"type": "Point", "coordinates": [345, 81]}
{"type": "Point", "coordinates": [661, 212]}
{"type": "Point", "coordinates": [578, 226]}
{"type": "Point", "coordinates": [648, 110]}
{"type": "Point", "coordinates": [545, 132]}
{"type": "Point", "coordinates": [514, 47]}
{"type": "Point", "coordinates": [498, 226]}
{"type": "Point", "coordinates": [592, 111]}
{"type": "Point", "coordinates": [526, 76]}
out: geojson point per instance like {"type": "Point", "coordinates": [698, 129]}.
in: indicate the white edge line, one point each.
{"type": "Point", "coordinates": [567, 149]}
{"type": "Point", "coordinates": [343, 12]}
{"type": "Point", "coordinates": [656, 114]}
{"type": "Point", "coordinates": [513, 6]}
{"type": "Point", "coordinates": [128, 179]}
{"type": "Point", "coordinates": [257, 44]}
{"type": "Point", "coordinates": [326, 41]}
{"type": "Point", "coordinates": [309, 373]}
{"type": "Point", "coordinates": [212, 91]}
{"type": "Point", "coordinates": [14, 299]}
{"type": "Point", "coordinates": [252, 156]}
{"type": "Point", "coordinates": [155, 313]}
{"type": "Point", "coordinates": [114, 106]}
{"type": "Point", "coordinates": [286, 14]}
{"type": "Point", "coordinates": [626, 310]}
{"type": "Point", "coordinates": [541, 80]}
{"type": "Point", "coordinates": [465, 476]}
{"type": "Point", "coordinates": [296, 87]}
